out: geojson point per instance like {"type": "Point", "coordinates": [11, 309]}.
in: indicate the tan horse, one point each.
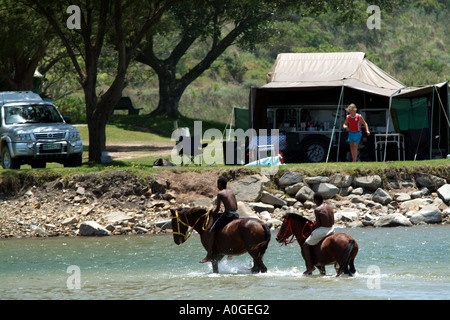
{"type": "Point", "coordinates": [237, 237]}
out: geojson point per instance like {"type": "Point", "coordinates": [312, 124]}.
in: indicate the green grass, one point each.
{"type": "Point", "coordinates": [312, 169]}
{"type": "Point", "coordinates": [161, 125]}
{"type": "Point", "coordinates": [143, 129]}
{"type": "Point", "coordinates": [121, 134]}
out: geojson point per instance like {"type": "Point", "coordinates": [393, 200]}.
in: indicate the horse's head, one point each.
{"type": "Point", "coordinates": [293, 222]}
{"type": "Point", "coordinates": [180, 225]}
{"type": "Point", "coordinates": [285, 230]}
{"type": "Point", "coordinates": [185, 220]}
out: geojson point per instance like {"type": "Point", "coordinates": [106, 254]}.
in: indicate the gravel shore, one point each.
{"type": "Point", "coordinates": [121, 203]}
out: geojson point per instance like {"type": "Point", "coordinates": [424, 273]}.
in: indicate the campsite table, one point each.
{"type": "Point", "coordinates": [385, 138]}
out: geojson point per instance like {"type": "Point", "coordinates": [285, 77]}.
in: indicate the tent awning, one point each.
{"type": "Point", "coordinates": [349, 83]}
{"type": "Point", "coordinates": [312, 70]}
{"type": "Point", "coordinates": [416, 91]}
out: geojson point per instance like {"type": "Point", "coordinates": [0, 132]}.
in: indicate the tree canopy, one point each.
{"type": "Point", "coordinates": [25, 36]}
{"type": "Point", "coordinates": [216, 48]}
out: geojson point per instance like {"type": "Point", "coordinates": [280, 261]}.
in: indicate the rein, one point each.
{"type": "Point", "coordinates": [305, 232]}
{"type": "Point", "coordinates": [285, 238]}
{"type": "Point", "coordinates": [190, 228]}
{"type": "Point", "coordinates": [310, 225]}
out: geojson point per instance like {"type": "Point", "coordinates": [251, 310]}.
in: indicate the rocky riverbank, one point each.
{"type": "Point", "coordinates": [360, 201]}
{"type": "Point", "coordinates": [117, 202]}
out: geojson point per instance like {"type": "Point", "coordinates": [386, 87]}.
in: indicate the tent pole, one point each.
{"type": "Point", "coordinates": [442, 106]}
{"type": "Point", "coordinates": [387, 129]}
{"type": "Point", "coordinates": [387, 122]}
{"type": "Point", "coordinates": [340, 129]}
{"type": "Point", "coordinates": [230, 122]}
{"type": "Point", "coordinates": [334, 125]}
{"type": "Point", "coordinates": [431, 125]}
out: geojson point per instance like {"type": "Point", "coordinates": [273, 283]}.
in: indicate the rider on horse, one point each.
{"type": "Point", "coordinates": [227, 197]}
{"type": "Point", "coordinates": [322, 228]}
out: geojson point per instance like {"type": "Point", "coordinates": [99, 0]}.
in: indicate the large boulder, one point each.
{"type": "Point", "coordinates": [293, 189]}
{"type": "Point", "coordinates": [393, 220]}
{"type": "Point", "coordinates": [92, 228]}
{"type": "Point", "coordinates": [430, 181]}
{"type": "Point", "coordinates": [305, 193]}
{"type": "Point", "coordinates": [269, 198]}
{"type": "Point", "coordinates": [260, 207]}
{"type": "Point", "coordinates": [430, 214]}
{"type": "Point", "coordinates": [326, 190]}
{"type": "Point", "coordinates": [368, 182]}
{"type": "Point", "coordinates": [381, 196]}
{"type": "Point", "coordinates": [318, 179]}
{"type": "Point", "coordinates": [415, 204]}
{"type": "Point", "coordinates": [290, 178]}
{"type": "Point", "coordinates": [248, 188]}
{"type": "Point", "coordinates": [346, 215]}
{"type": "Point", "coordinates": [444, 192]}
{"type": "Point", "coordinates": [341, 181]}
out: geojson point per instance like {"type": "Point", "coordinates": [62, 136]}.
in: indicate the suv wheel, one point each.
{"type": "Point", "coordinates": [7, 161]}
{"type": "Point", "coordinates": [315, 150]}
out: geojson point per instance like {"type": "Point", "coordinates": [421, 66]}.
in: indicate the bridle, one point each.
{"type": "Point", "coordinates": [190, 228]}
{"type": "Point", "coordinates": [284, 237]}
{"type": "Point", "coordinates": [305, 233]}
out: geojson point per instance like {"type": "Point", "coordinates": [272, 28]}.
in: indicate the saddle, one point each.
{"type": "Point", "coordinates": [223, 219]}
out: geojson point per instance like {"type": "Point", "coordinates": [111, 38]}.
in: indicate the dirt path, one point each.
{"type": "Point", "coordinates": [134, 150]}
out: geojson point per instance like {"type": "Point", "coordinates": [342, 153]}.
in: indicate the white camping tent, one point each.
{"type": "Point", "coordinates": [295, 75]}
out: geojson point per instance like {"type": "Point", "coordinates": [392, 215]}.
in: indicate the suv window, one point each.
{"type": "Point", "coordinates": [32, 114]}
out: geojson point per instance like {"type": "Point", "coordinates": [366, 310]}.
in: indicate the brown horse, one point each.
{"type": "Point", "coordinates": [339, 249]}
{"type": "Point", "coordinates": [236, 238]}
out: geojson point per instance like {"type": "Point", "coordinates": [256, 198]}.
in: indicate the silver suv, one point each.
{"type": "Point", "coordinates": [32, 131]}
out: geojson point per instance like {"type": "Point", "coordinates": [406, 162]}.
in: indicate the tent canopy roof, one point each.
{"type": "Point", "coordinates": [351, 69]}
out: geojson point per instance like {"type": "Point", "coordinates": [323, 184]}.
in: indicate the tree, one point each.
{"type": "Point", "coordinates": [126, 23]}
{"type": "Point", "coordinates": [216, 25]}
{"type": "Point", "coordinates": [24, 38]}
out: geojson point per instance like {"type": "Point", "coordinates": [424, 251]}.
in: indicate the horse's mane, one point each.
{"type": "Point", "coordinates": [198, 210]}
{"type": "Point", "coordinates": [296, 216]}
{"type": "Point", "coordinates": [192, 211]}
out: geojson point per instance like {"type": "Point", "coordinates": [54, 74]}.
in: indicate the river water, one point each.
{"type": "Point", "coordinates": [392, 263]}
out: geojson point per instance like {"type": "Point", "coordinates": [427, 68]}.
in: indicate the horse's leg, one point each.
{"type": "Point", "coordinates": [322, 270]}
{"type": "Point", "coordinates": [343, 268]}
{"type": "Point", "coordinates": [262, 266]}
{"type": "Point", "coordinates": [215, 266]}
{"type": "Point", "coordinates": [215, 262]}
{"type": "Point", "coordinates": [258, 265]}
{"type": "Point", "coordinates": [257, 253]}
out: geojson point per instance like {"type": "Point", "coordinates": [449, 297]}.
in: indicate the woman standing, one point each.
{"type": "Point", "coordinates": [353, 123]}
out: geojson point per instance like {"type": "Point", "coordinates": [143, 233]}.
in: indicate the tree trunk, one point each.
{"type": "Point", "coordinates": [98, 113]}
{"type": "Point", "coordinates": [96, 133]}
{"type": "Point", "coordinates": [170, 92]}
{"type": "Point", "coordinates": [97, 139]}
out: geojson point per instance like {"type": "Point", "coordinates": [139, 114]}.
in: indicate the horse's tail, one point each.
{"type": "Point", "coordinates": [264, 244]}
{"type": "Point", "coordinates": [346, 258]}
{"type": "Point", "coordinates": [267, 232]}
